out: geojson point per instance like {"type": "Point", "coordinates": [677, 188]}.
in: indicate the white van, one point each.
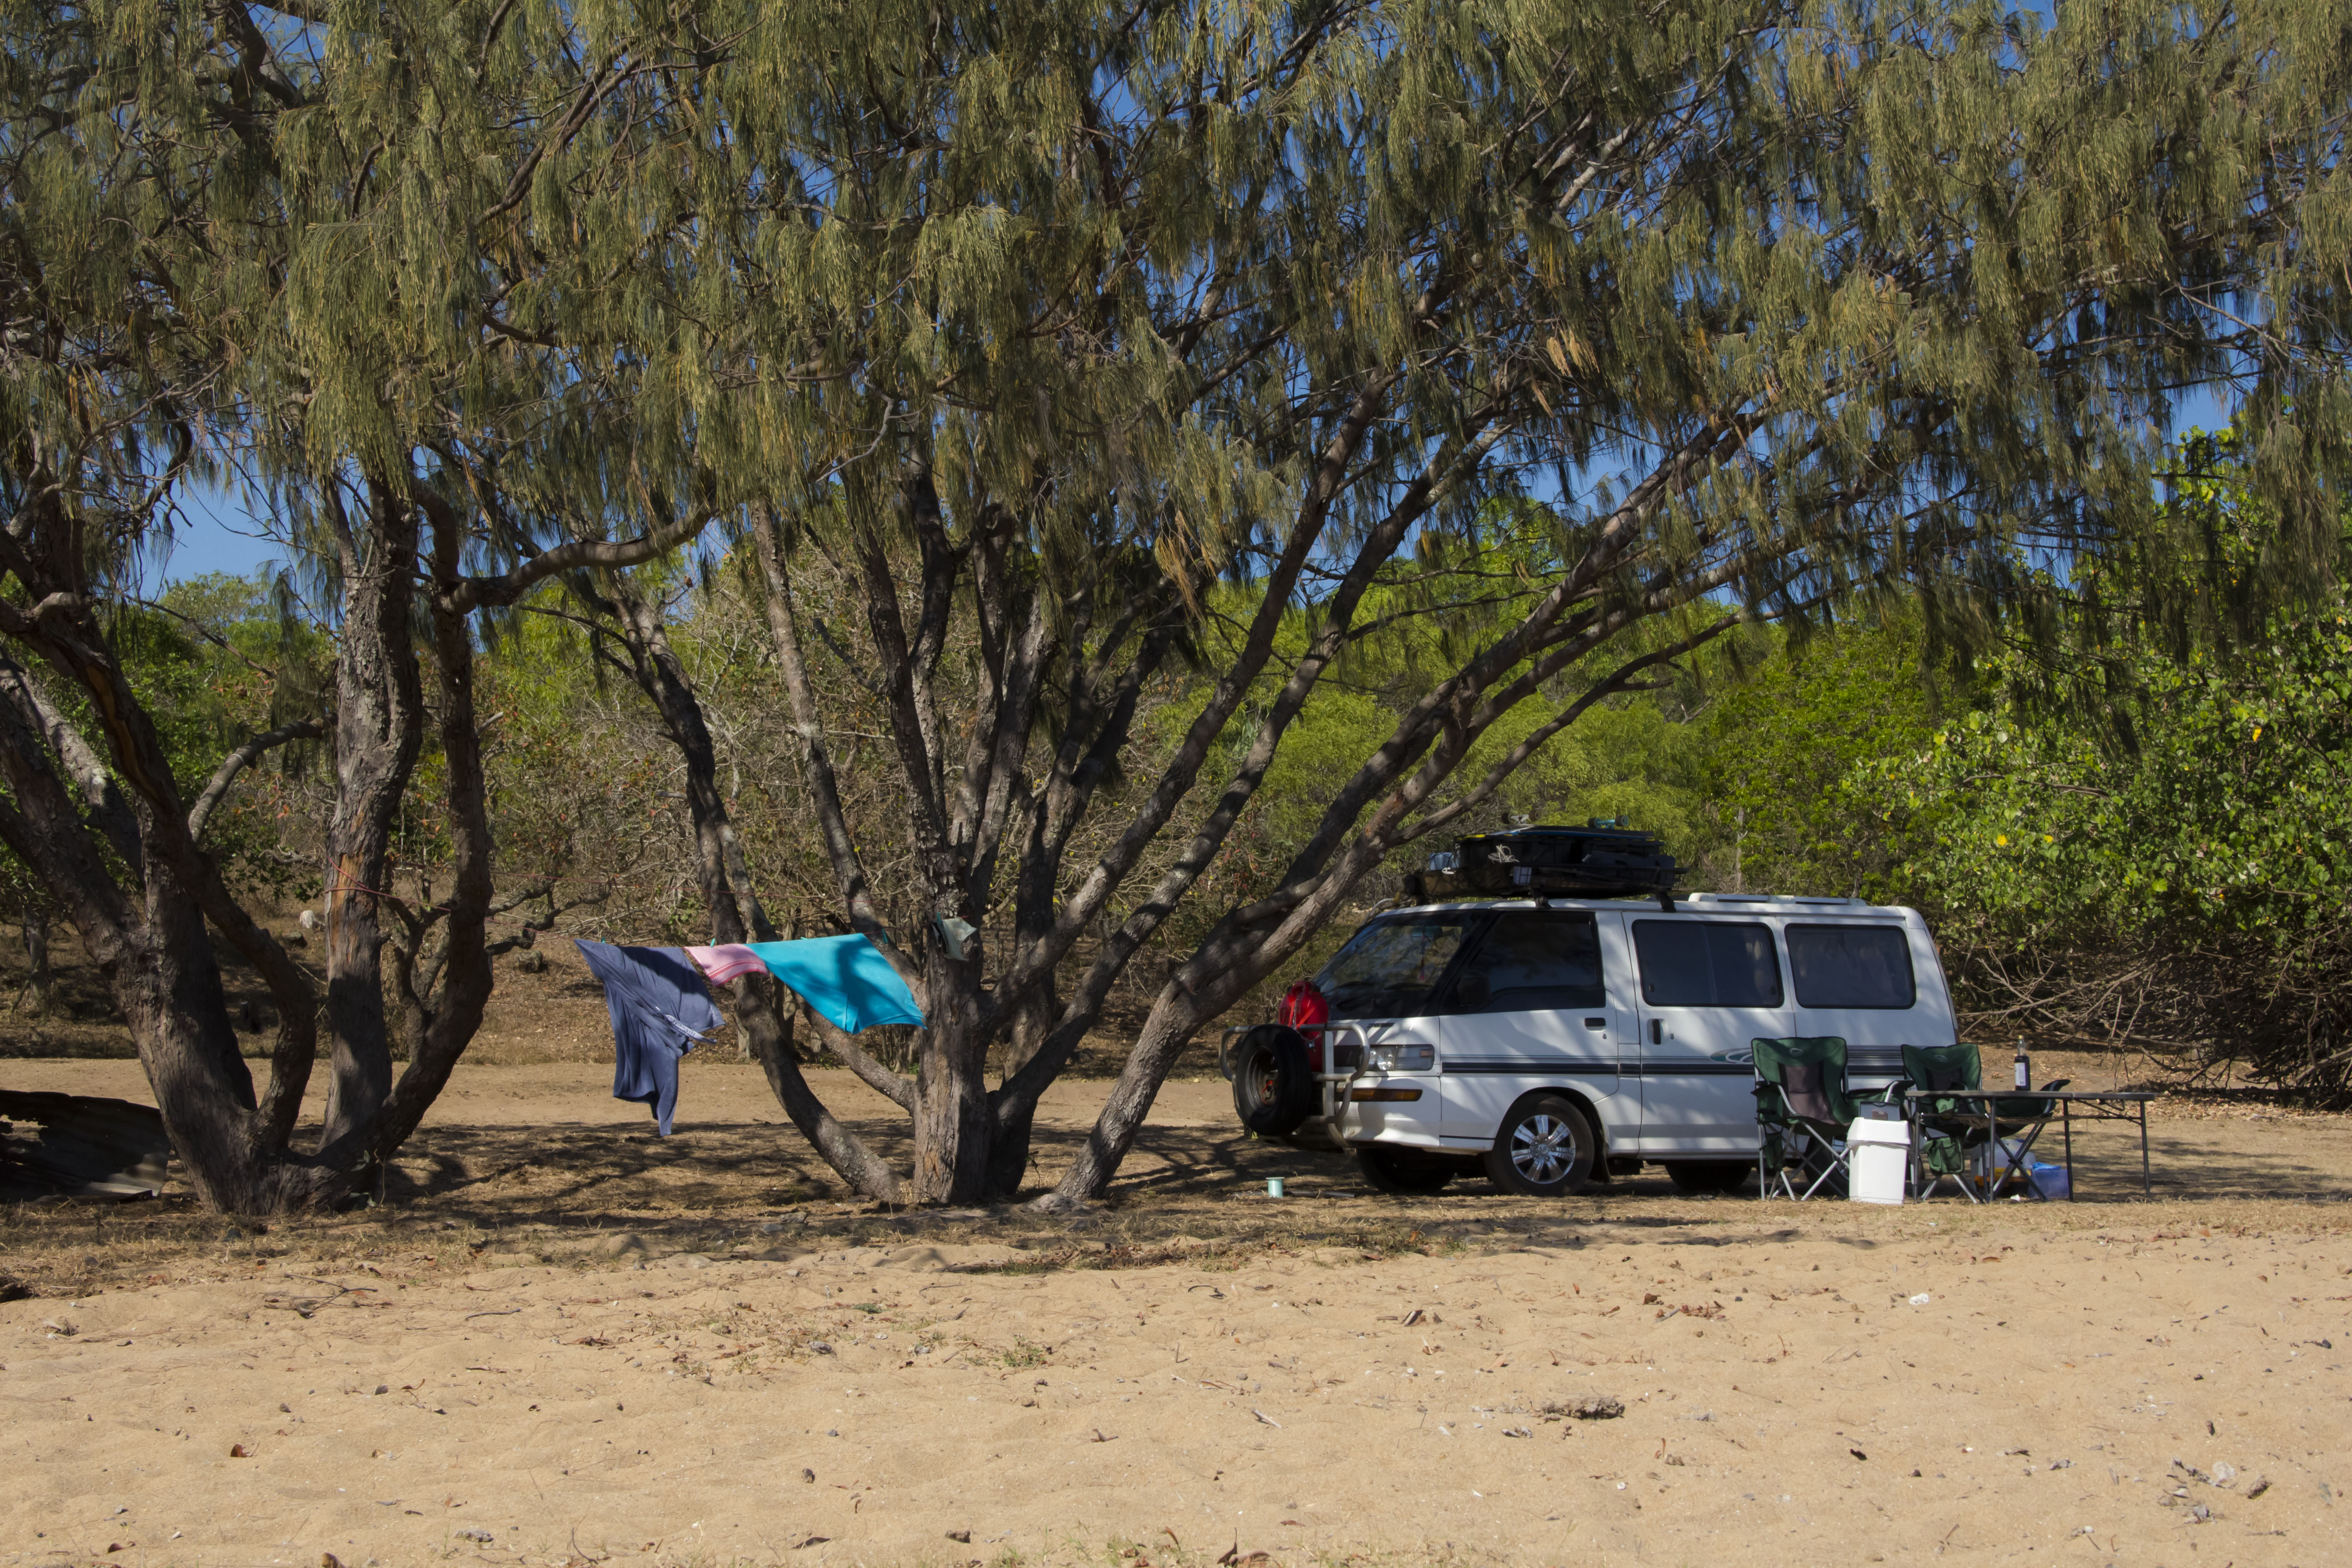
{"type": "Point", "coordinates": [1547, 1041]}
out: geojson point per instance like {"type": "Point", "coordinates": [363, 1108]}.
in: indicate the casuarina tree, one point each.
{"type": "Point", "coordinates": [1853, 299]}
{"type": "Point", "coordinates": [1765, 309]}
{"type": "Point", "coordinates": [264, 242]}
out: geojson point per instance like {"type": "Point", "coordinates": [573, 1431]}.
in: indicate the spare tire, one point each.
{"type": "Point", "coordinates": [1274, 1089]}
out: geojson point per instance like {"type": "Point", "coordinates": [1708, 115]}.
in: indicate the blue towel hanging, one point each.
{"type": "Point", "coordinates": [845, 978]}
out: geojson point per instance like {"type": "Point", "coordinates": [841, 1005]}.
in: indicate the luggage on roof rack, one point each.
{"type": "Point", "coordinates": [1603, 860]}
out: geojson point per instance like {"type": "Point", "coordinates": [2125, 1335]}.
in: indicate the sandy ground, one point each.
{"type": "Point", "coordinates": [566, 1341]}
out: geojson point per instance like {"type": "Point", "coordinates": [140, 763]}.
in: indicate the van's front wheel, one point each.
{"type": "Point", "coordinates": [1544, 1151]}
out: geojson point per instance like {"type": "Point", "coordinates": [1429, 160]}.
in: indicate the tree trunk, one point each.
{"type": "Point", "coordinates": [1009, 1151]}
{"type": "Point", "coordinates": [758, 1015]}
{"type": "Point", "coordinates": [168, 987]}
{"type": "Point", "coordinates": [1032, 1022]}
{"type": "Point", "coordinates": [378, 727]}
{"type": "Point", "coordinates": [1008, 1154]}
{"type": "Point", "coordinates": [439, 1027]}
{"type": "Point", "coordinates": [1175, 1016]}
{"type": "Point", "coordinates": [38, 979]}
{"type": "Point", "coordinates": [954, 1125]}
{"type": "Point", "coordinates": [761, 1010]}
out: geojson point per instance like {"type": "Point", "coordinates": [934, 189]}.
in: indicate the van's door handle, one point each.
{"type": "Point", "coordinates": [1596, 1023]}
{"type": "Point", "coordinates": [1657, 1032]}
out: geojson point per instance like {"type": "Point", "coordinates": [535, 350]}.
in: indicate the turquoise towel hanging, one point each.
{"type": "Point", "coordinates": [845, 978]}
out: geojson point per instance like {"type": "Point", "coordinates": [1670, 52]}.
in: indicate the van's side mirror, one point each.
{"type": "Point", "coordinates": [1470, 992]}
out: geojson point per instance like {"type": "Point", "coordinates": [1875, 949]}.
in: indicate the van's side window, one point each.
{"type": "Point", "coordinates": [1852, 966]}
{"type": "Point", "coordinates": [1707, 964]}
{"type": "Point", "coordinates": [1532, 963]}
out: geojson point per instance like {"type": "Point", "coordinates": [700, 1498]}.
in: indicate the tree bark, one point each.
{"type": "Point", "coordinates": [152, 942]}
{"type": "Point", "coordinates": [37, 980]}
{"type": "Point", "coordinates": [724, 873]}
{"type": "Point", "coordinates": [954, 1125]}
{"type": "Point", "coordinates": [1033, 1027]}
{"type": "Point", "coordinates": [1175, 1016]}
{"type": "Point", "coordinates": [379, 728]}
{"type": "Point", "coordinates": [167, 984]}
{"type": "Point", "coordinates": [437, 1027]}
{"type": "Point", "coordinates": [758, 1014]}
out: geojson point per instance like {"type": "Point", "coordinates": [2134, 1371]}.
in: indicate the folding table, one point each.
{"type": "Point", "coordinates": [2096, 1105]}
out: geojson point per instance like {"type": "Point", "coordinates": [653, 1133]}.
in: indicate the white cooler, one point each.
{"type": "Point", "coordinates": [1878, 1155]}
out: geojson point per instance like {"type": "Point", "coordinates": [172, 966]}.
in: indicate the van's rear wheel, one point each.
{"type": "Point", "coordinates": [1544, 1151]}
{"type": "Point", "coordinates": [1709, 1176]}
{"type": "Point", "coordinates": [1403, 1171]}
{"type": "Point", "coordinates": [1273, 1087]}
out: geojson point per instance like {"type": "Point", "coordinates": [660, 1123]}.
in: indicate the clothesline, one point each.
{"type": "Point", "coordinates": [729, 960]}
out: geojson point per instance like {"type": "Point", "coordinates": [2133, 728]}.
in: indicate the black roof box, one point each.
{"type": "Point", "coordinates": [1603, 860]}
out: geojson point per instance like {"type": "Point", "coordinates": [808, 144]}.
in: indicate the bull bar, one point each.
{"type": "Point", "coordinates": [1333, 1079]}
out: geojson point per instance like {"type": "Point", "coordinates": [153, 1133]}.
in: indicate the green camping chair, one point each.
{"type": "Point", "coordinates": [1949, 1130]}
{"type": "Point", "coordinates": [1802, 1111]}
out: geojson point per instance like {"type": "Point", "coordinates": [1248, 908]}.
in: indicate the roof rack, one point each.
{"type": "Point", "coordinates": [1774, 899]}
{"type": "Point", "coordinates": [1603, 858]}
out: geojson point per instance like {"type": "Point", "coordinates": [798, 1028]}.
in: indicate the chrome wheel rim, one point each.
{"type": "Point", "coordinates": [1542, 1147]}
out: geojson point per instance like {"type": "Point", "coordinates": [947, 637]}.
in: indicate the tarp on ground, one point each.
{"type": "Point", "coordinates": [79, 1143]}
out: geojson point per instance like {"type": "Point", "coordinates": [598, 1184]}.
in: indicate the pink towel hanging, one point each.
{"type": "Point", "coordinates": [730, 960]}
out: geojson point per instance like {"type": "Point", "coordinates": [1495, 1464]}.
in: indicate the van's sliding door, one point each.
{"type": "Point", "coordinates": [1706, 987]}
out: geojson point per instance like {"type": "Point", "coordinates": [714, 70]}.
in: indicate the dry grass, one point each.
{"type": "Point", "coordinates": [532, 1162]}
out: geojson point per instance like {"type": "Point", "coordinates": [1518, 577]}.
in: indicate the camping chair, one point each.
{"type": "Point", "coordinates": [1802, 1111]}
{"type": "Point", "coordinates": [1947, 1129]}
{"type": "Point", "coordinates": [1950, 1129]}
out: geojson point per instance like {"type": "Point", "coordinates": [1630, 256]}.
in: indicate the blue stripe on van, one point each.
{"type": "Point", "coordinates": [1532, 1066]}
{"type": "Point", "coordinates": [1691, 1070]}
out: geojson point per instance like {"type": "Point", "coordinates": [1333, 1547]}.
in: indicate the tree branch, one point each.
{"type": "Point", "coordinates": [496, 592]}
{"type": "Point", "coordinates": [243, 757]}
{"type": "Point", "coordinates": [895, 1087]}
{"type": "Point", "coordinates": [848, 871]}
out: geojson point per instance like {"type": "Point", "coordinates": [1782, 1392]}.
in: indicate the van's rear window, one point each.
{"type": "Point", "coordinates": [1388, 968]}
{"type": "Point", "coordinates": [1707, 964]}
{"type": "Point", "coordinates": [1852, 966]}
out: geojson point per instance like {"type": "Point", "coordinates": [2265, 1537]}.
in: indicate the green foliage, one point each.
{"type": "Point", "coordinates": [1788, 753]}
{"type": "Point", "coordinates": [1855, 303]}
{"type": "Point", "coordinates": [2231, 818]}
{"type": "Point", "coordinates": [215, 664]}
{"type": "Point", "coordinates": [1627, 756]}
{"type": "Point", "coordinates": [2164, 768]}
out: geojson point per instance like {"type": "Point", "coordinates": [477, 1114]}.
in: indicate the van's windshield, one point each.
{"type": "Point", "coordinates": [1388, 969]}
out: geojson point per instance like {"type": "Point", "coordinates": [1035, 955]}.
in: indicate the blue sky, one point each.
{"type": "Point", "coordinates": [217, 534]}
